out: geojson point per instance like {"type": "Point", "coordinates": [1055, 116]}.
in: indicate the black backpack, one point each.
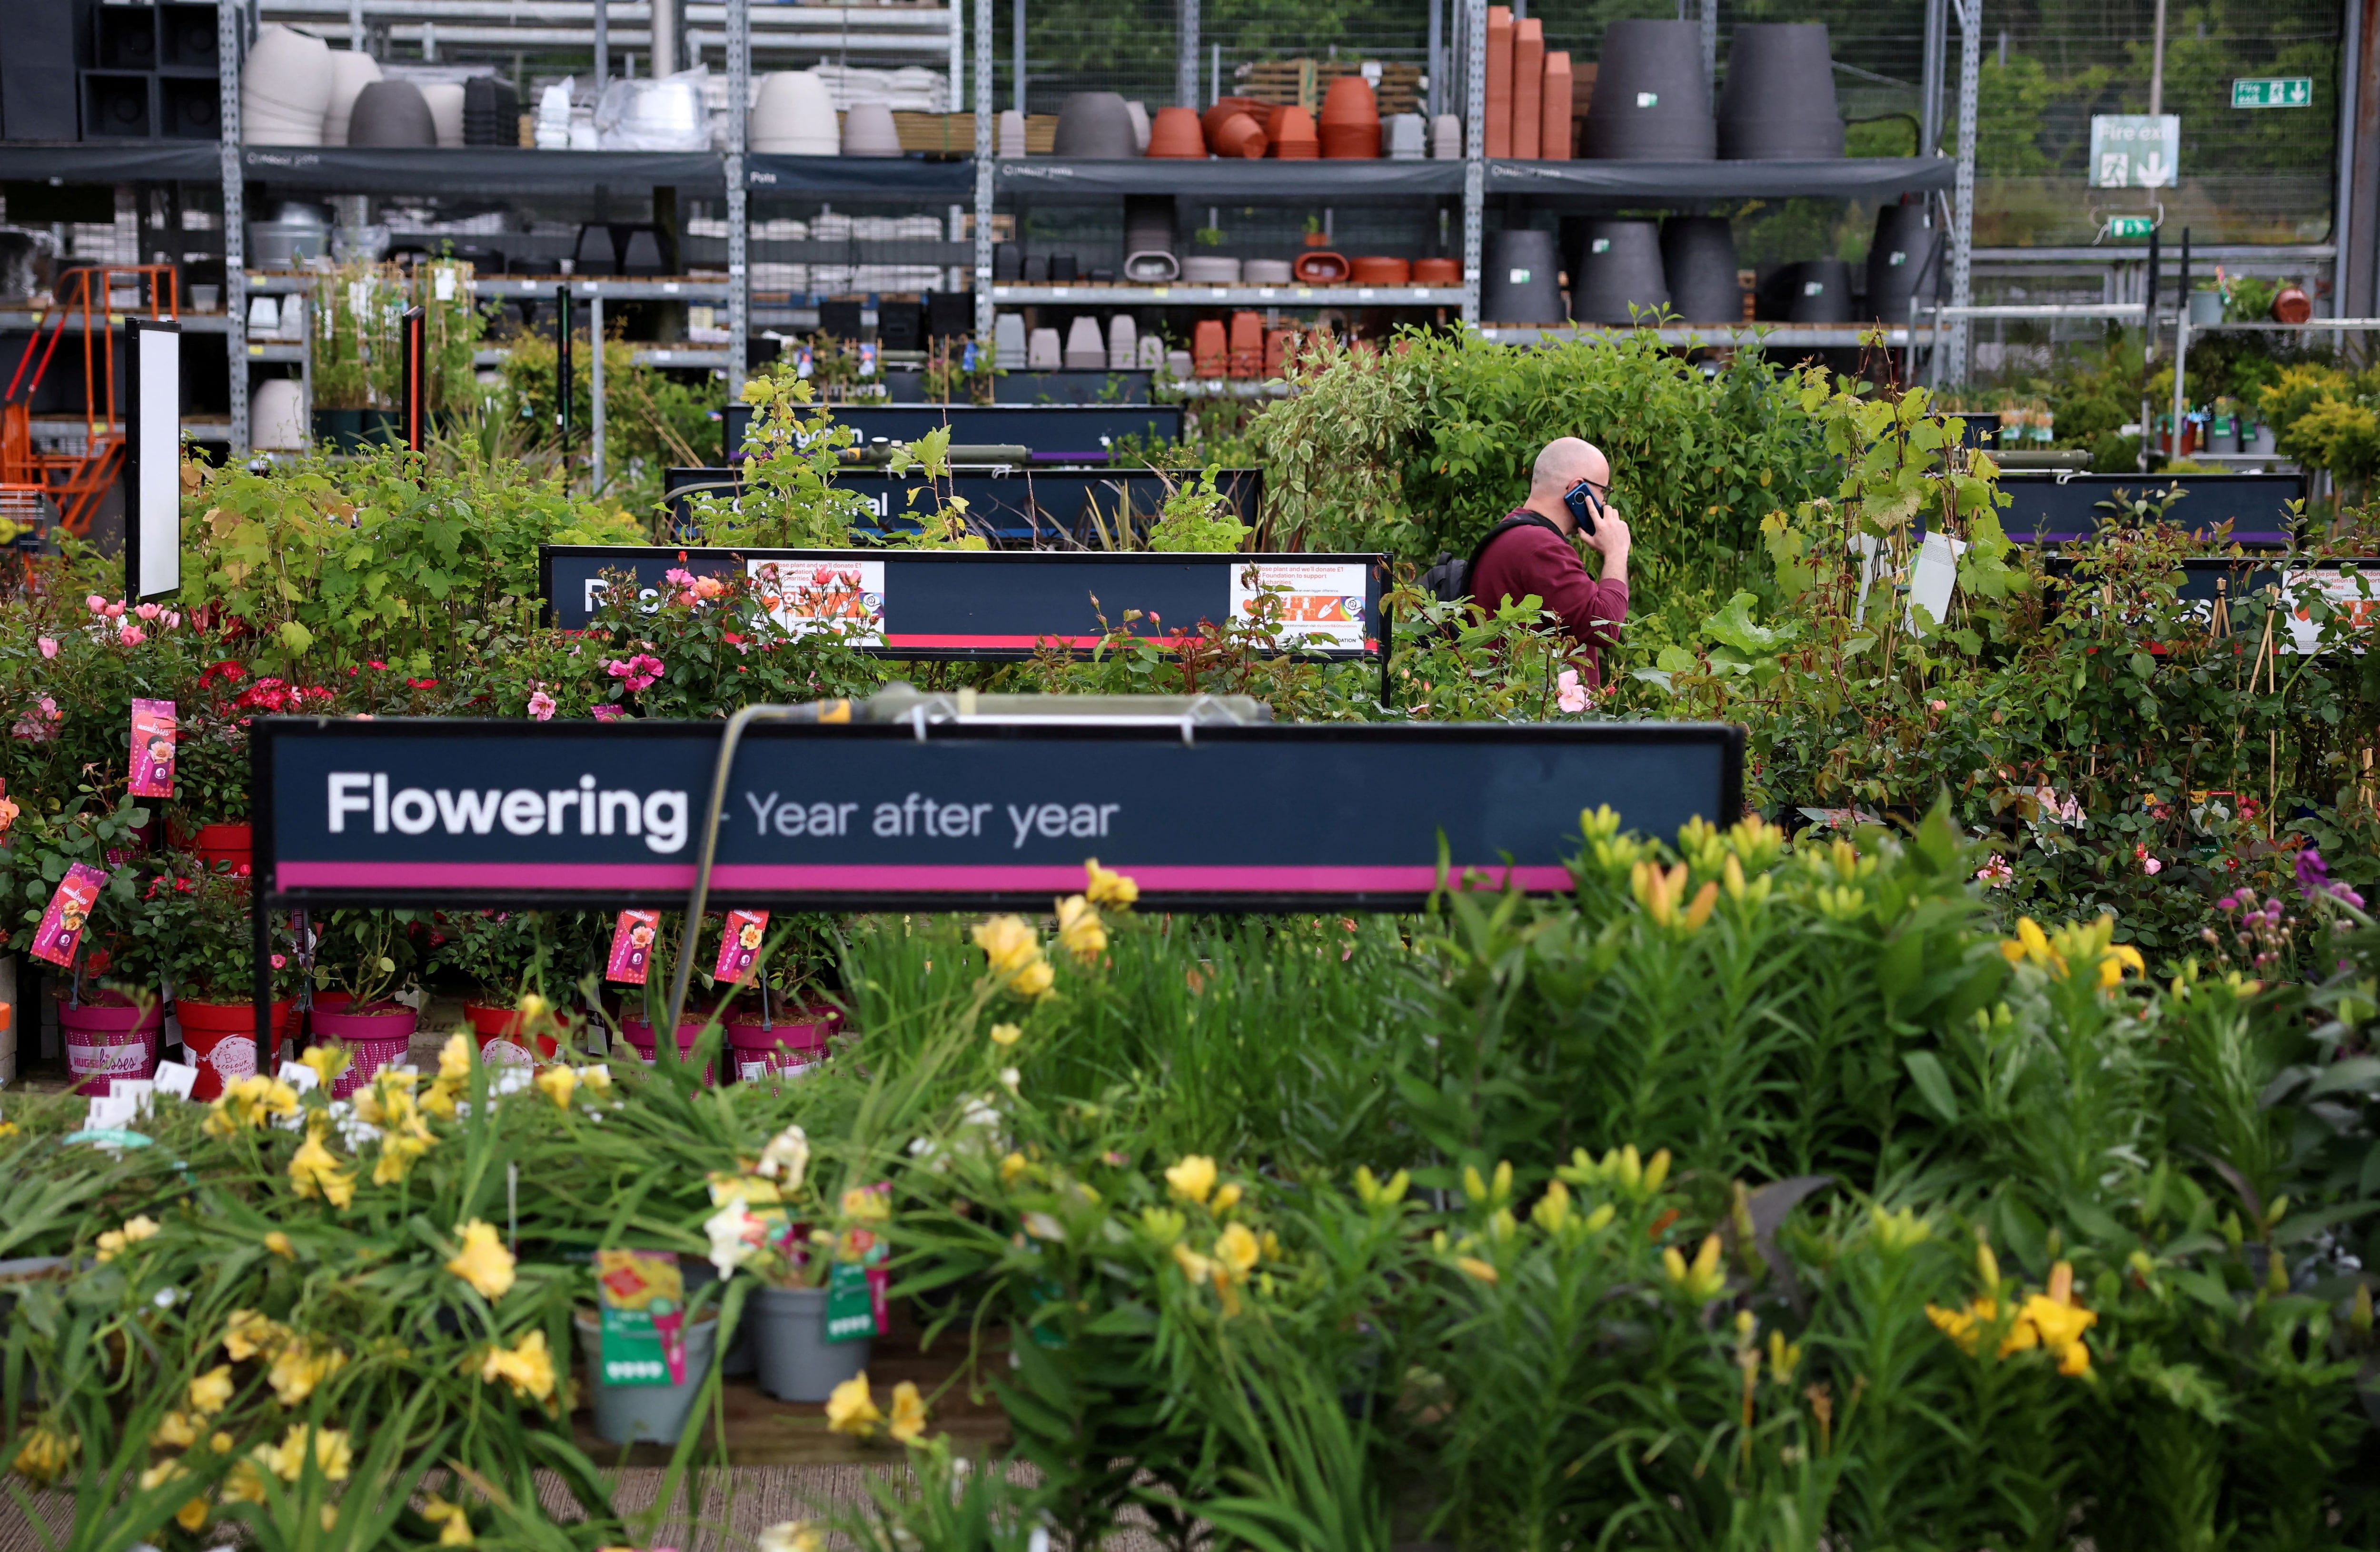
{"type": "Point", "coordinates": [1449, 580]}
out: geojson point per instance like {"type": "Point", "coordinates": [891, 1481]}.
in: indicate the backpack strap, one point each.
{"type": "Point", "coordinates": [1524, 519]}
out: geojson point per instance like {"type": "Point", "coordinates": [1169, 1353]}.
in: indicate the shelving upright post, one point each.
{"type": "Point", "coordinates": [1962, 214]}
{"type": "Point", "coordinates": [1475, 149]}
{"type": "Point", "coordinates": [739, 272]}
{"type": "Point", "coordinates": [983, 113]}
{"type": "Point", "coordinates": [230, 40]}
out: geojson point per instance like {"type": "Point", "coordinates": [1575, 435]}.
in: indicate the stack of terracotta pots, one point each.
{"type": "Point", "coordinates": [1234, 127]}
{"type": "Point", "coordinates": [1529, 91]}
{"type": "Point", "coordinates": [1175, 135]}
{"type": "Point", "coordinates": [1291, 136]}
{"type": "Point", "coordinates": [1209, 352]}
{"type": "Point", "coordinates": [1351, 121]}
{"type": "Point", "coordinates": [1247, 348]}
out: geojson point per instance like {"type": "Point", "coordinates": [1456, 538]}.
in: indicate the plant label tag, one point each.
{"type": "Point", "coordinates": [60, 932]}
{"type": "Point", "coordinates": [445, 284]}
{"type": "Point", "coordinates": [632, 947]}
{"type": "Point", "coordinates": [176, 1078]}
{"type": "Point", "coordinates": [137, 1093]}
{"type": "Point", "coordinates": [642, 1295]}
{"type": "Point", "coordinates": [112, 1138]}
{"type": "Point", "coordinates": [739, 944]}
{"type": "Point", "coordinates": [850, 1311]}
{"type": "Point", "coordinates": [152, 749]}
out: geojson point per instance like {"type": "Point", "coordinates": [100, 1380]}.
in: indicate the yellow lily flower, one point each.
{"type": "Point", "coordinates": [850, 1410]}
{"type": "Point", "coordinates": [399, 1149]}
{"type": "Point", "coordinates": [1109, 888]}
{"type": "Point", "coordinates": [298, 1368]}
{"type": "Point", "coordinates": [455, 1058]}
{"type": "Point", "coordinates": [278, 1244]}
{"type": "Point", "coordinates": [1552, 1212]}
{"type": "Point", "coordinates": [1006, 1035]}
{"type": "Point", "coordinates": [483, 1262]}
{"type": "Point", "coordinates": [210, 1392]}
{"type": "Point", "coordinates": [526, 1366]}
{"type": "Point", "coordinates": [1701, 1281]}
{"type": "Point", "coordinates": [328, 1063]}
{"type": "Point", "coordinates": [314, 1169]}
{"type": "Point", "coordinates": [1009, 943]}
{"type": "Point", "coordinates": [1080, 930]}
{"type": "Point", "coordinates": [1227, 1197]}
{"type": "Point", "coordinates": [1236, 1249]}
{"type": "Point", "coordinates": [249, 1333]}
{"type": "Point", "coordinates": [1473, 1267]}
{"type": "Point", "coordinates": [556, 1083]}
{"type": "Point", "coordinates": [453, 1525]}
{"type": "Point", "coordinates": [908, 1413]}
{"type": "Point", "coordinates": [1034, 980]}
{"type": "Point", "coordinates": [115, 1241]}
{"type": "Point", "coordinates": [174, 1432]}
{"type": "Point", "coordinates": [1193, 1179]}
{"type": "Point", "coordinates": [44, 1455]}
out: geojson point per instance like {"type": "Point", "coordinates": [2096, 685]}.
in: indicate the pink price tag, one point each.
{"type": "Point", "coordinates": [632, 947]}
{"type": "Point", "coordinates": [152, 749]}
{"type": "Point", "coordinates": [60, 932]}
{"type": "Point", "coordinates": [739, 944]}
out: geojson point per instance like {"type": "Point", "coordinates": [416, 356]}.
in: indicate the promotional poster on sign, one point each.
{"type": "Point", "coordinates": [60, 932]}
{"type": "Point", "coordinates": [1321, 602]}
{"type": "Point", "coordinates": [632, 947]}
{"type": "Point", "coordinates": [739, 944]}
{"type": "Point", "coordinates": [844, 596]}
{"type": "Point", "coordinates": [152, 748]}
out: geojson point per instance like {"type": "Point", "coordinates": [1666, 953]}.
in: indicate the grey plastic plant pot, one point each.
{"type": "Point", "coordinates": [796, 1361]}
{"type": "Point", "coordinates": [1616, 275]}
{"type": "Point", "coordinates": [737, 1362]}
{"type": "Point", "coordinates": [645, 1414]}
{"type": "Point", "coordinates": [1698, 260]}
{"type": "Point", "coordinates": [1651, 102]}
{"type": "Point", "coordinates": [1778, 102]}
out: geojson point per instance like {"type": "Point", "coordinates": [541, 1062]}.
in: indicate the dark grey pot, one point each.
{"type": "Point", "coordinates": [1698, 260]}
{"type": "Point", "coordinates": [1816, 291]}
{"type": "Point", "coordinates": [1519, 283]}
{"type": "Point", "coordinates": [1615, 272]}
{"type": "Point", "coordinates": [1779, 101]}
{"type": "Point", "coordinates": [1903, 252]}
{"type": "Point", "coordinates": [1096, 126]}
{"type": "Point", "coordinates": [391, 112]}
{"type": "Point", "coordinates": [1148, 225]}
{"type": "Point", "coordinates": [1651, 103]}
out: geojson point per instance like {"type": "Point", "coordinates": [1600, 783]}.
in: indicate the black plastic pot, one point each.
{"type": "Point", "coordinates": [1698, 260]}
{"type": "Point", "coordinates": [1007, 262]}
{"type": "Point", "coordinates": [1651, 103]}
{"type": "Point", "coordinates": [391, 112]}
{"type": "Point", "coordinates": [1519, 283]}
{"type": "Point", "coordinates": [1779, 102]}
{"type": "Point", "coordinates": [1818, 291]}
{"type": "Point", "coordinates": [1900, 261]}
{"type": "Point", "coordinates": [1096, 126]}
{"type": "Point", "coordinates": [1615, 272]}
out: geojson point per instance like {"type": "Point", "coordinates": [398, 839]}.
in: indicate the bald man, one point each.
{"type": "Point", "coordinates": [1533, 554]}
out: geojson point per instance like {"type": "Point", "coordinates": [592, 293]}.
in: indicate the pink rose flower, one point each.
{"type": "Point", "coordinates": [1995, 873]}
{"type": "Point", "coordinates": [1939, 705]}
{"type": "Point", "coordinates": [680, 575]}
{"type": "Point", "coordinates": [148, 611]}
{"type": "Point", "coordinates": [1569, 694]}
{"type": "Point", "coordinates": [607, 713]}
{"type": "Point", "coordinates": [113, 611]}
{"type": "Point", "coordinates": [542, 707]}
{"type": "Point", "coordinates": [134, 636]}
{"type": "Point", "coordinates": [49, 646]}
{"type": "Point", "coordinates": [96, 603]}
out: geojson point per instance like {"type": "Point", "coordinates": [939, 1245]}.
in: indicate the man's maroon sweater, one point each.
{"type": "Point", "coordinates": [1529, 560]}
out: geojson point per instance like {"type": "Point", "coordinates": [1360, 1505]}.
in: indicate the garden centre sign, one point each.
{"type": "Point", "coordinates": [887, 814]}
{"type": "Point", "coordinates": [996, 604]}
{"type": "Point", "coordinates": [2135, 151]}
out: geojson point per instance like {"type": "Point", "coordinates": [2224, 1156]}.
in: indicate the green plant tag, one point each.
{"type": "Point", "coordinates": [632, 1349]}
{"type": "Point", "coordinates": [642, 1339]}
{"type": "Point", "coordinates": [850, 1311]}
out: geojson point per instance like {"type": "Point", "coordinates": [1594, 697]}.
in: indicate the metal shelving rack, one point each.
{"type": "Point", "coordinates": [980, 185]}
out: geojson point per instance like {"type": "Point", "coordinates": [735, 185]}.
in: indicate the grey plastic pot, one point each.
{"type": "Point", "coordinates": [796, 1361]}
{"type": "Point", "coordinates": [1615, 274]}
{"type": "Point", "coordinates": [1094, 126]}
{"type": "Point", "coordinates": [1519, 283]}
{"type": "Point", "coordinates": [644, 1413]}
{"type": "Point", "coordinates": [1698, 259]}
{"type": "Point", "coordinates": [1898, 259]}
{"type": "Point", "coordinates": [1778, 102]}
{"type": "Point", "coordinates": [1651, 102]}
{"type": "Point", "coordinates": [392, 114]}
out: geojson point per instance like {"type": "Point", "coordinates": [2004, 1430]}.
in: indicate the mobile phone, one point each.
{"type": "Point", "coordinates": [1584, 503]}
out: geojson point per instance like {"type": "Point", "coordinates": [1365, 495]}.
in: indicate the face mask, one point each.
{"type": "Point", "coordinates": [1584, 503]}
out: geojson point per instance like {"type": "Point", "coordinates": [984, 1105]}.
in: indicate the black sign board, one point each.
{"type": "Point", "coordinates": [1013, 506]}
{"type": "Point", "coordinates": [996, 604]}
{"type": "Point", "coordinates": [2060, 508]}
{"type": "Point", "coordinates": [885, 816]}
{"type": "Point", "coordinates": [1056, 433]}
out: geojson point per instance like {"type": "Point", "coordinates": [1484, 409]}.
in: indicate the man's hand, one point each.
{"type": "Point", "coordinates": [1609, 540]}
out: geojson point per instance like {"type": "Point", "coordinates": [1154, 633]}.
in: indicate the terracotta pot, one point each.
{"type": "Point", "coordinates": [230, 843]}
{"type": "Point", "coordinates": [376, 1036]}
{"type": "Point", "coordinates": [1281, 352]}
{"type": "Point", "coordinates": [1320, 266]}
{"type": "Point", "coordinates": [1291, 135]}
{"type": "Point", "coordinates": [1209, 350]}
{"type": "Point", "coordinates": [1212, 122]}
{"type": "Point", "coordinates": [1376, 271]}
{"type": "Point", "coordinates": [498, 1031]}
{"type": "Point", "coordinates": [1554, 110]}
{"type": "Point", "coordinates": [1238, 136]}
{"type": "Point", "coordinates": [1247, 344]}
{"type": "Point", "coordinates": [220, 1039]}
{"type": "Point", "coordinates": [1175, 135]}
{"type": "Point", "coordinates": [108, 1039]}
{"type": "Point", "coordinates": [2292, 305]}
{"type": "Point", "coordinates": [1350, 121]}
{"type": "Point", "coordinates": [1528, 87]}
{"type": "Point", "coordinates": [1437, 272]}
{"type": "Point", "coordinates": [1499, 80]}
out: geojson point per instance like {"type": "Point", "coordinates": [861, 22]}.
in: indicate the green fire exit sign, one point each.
{"type": "Point", "coordinates": [2273, 91]}
{"type": "Point", "coordinates": [2131, 225]}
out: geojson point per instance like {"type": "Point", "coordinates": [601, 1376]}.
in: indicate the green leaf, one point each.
{"type": "Point", "coordinates": [296, 638]}
{"type": "Point", "coordinates": [1933, 1083]}
{"type": "Point", "coordinates": [1734, 626]}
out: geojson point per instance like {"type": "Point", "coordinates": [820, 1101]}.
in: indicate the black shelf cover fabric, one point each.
{"type": "Point", "coordinates": [1655, 182]}
{"type": "Point", "coordinates": [860, 177]}
{"type": "Point", "coordinates": [1217, 177]}
{"type": "Point", "coordinates": [453, 169]}
{"type": "Point", "coordinates": [113, 162]}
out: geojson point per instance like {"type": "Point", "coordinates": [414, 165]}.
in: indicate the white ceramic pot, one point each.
{"type": "Point", "coordinates": [868, 130]}
{"type": "Point", "coordinates": [1139, 114]}
{"type": "Point", "coordinates": [1446, 139]}
{"type": "Point", "coordinates": [445, 99]}
{"type": "Point", "coordinates": [795, 116]}
{"type": "Point", "coordinates": [351, 71]}
{"type": "Point", "coordinates": [284, 90]}
{"type": "Point", "coordinates": [277, 416]}
{"type": "Point", "coordinates": [1011, 142]}
{"type": "Point", "coordinates": [1123, 342]}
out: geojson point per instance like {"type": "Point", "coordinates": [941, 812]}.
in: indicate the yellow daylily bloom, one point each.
{"type": "Point", "coordinates": [1699, 912]}
{"type": "Point", "coordinates": [850, 1410]}
{"type": "Point", "coordinates": [246, 1484]}
{"type": "Point", "coordinates": [483, 1262]}
{"type": "Point", "coordinates": [1227, 1197]}
{"type": "Point", "coordinates": [908, 1419]}
{"type": "Point", "coordinates": [192, 1515]}
{"type": "Point", "coordinates": [557, 1083]}
{"type": "Point", "coordinates": [1080, 930]}
{"type": "Point", "coordinates": [1006, 1033]}
{"type": "Point", "coordinates": [174, 1432]}
{"type": "Point", "coordinates": [45, 1454]}
{"type": "Point", "coordinates": [329, 1446]}
{"type": "Point", "coordinates": [526, 1366]}
{"type": "Point", "coordinates": [328, 1063]}
{"type": "Point", "coordinates": [1010, 1168]}
{"type": "Point", "coordinates": [249, 1333]}
{"type": "Point", "coordinates": [1193, 1179]}
{"type": "Point", "coordinates": [1376, 1194]}
{"type": "Point", "coordinates": [221, 1442]}
{"type": "Point", "coordinates": [299, 1367]}
{"type": "Point", "coordinates": [1552, 1211]}
{"type": "Point", "coordinates": [314, 1169]}
{"type": "Point", "coordinates": [1237, 1250]}
{"type": "Point", "coordinates": [1194, 1266]}
{"type": "Point", "coordinates": [399, 1149]}
{"type": "Point", "coordinates": [453, 1525]}
{"type": "Point", "coordinates": [115, 1241]}
{"type": "Point", "coordinates": [1008, 943]}
{"type": "Point", "coordinates": [161, 1474]}
{"type": "Point", "coordinates": [1474, 1266]}
{"type": "Point", "coordinates": [278, 1244]}
{"type": "Point", "coordinates": [1703, 1280]}
{"type": "Point", "coordinates": [1034, 980]}
{"type": "Point", "coordinates": [454, 1057]}
{"type": "Point", "coordinates": [1107, 889]}
{"type": "Point", "coordinates": [210, 1392]}
{"type": "Point", "coordinates": [596, 1076]}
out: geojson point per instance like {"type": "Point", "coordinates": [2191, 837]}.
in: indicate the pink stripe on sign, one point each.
{"type": "Point", "coordinates": [920, 877]}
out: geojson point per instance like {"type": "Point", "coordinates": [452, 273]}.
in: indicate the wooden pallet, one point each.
{"type": "Point", "coordinates": [953, 134]}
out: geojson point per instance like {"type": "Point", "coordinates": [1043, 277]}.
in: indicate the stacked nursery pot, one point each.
{"type": "Point", "coordinates": [1498, 82]}
{"type": "Point", "coordinates": [1698, 264]}
{"type": "Point", "coordinates": [1176, 135]}
{"type": "Point", "coordinates": [1290, 135]}
{"type": "Point", "coordinates": [107, 1037]}
{"type": "Point", "coordinates": [1086, 347]}
{"type": "Point", "coordinates": [1096, 126]}
{"type": "Point", "coordinates": [1266, 271]}
{"type": "Point", "coordinates": [351, 71]}
{"type": "Point", "coordinates": [1528, 86]}
{"type": "Point", "coordinates": [1899, 260]}
{"type": "Point", "coordinates": [1350, 121]}
{"type": "Point", "coordinates": [376, 1035]}
{"type": "Point", "coordinates": [1778, 102]}
{"type": "Point", "coordinates": [1148, 233]}
{"type": "Point", "coordinates": [869, 130]}
{"type": "Point", "coordinates": [1616, 277]}
{"type": "Point", "coordinates": [445, 99]}
{"type": "Point", "coordinates": [1520, 282]}
{"type": "Point", "coordinates": [796, 1039]}
{"type": "Point", "coordinates": [392, 114]}
{"type": "Point", "coordinates": [1236, 134]}
{"type": "Point", "coordinates": [794, 115]}
{"type": "Point", "coordinates": [1651, 103]}
{"type": "Point", "coordinates": [285, 89]}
